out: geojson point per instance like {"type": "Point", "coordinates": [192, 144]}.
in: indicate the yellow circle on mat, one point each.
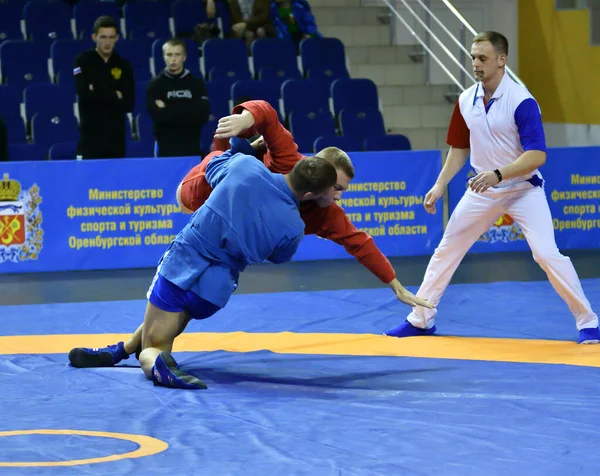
{"type": "Point", "coordinates": [148, 446]}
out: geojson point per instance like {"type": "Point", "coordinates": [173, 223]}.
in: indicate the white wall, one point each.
{"type": "Point", "coordinates": [571, 135]}
{"type": "Point", "coordinates": [498, 15]}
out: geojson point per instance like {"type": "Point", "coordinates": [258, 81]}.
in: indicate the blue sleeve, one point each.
{"type": "Point", "coordinates": [242, 146]}
{"type": "Point", "coordinates": [285, 252]}
{"type": "Point", "coordinates": [218, 166]}
{"type": "Point", "coordinates": [529, 123]}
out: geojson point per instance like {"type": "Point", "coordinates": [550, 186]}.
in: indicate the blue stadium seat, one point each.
{"type": "Point", "coordinates": [52, 99]}
{"type": "Point", "coordinates": [275, 60]}
{"type": "Point", "coordinates": [10, 110]}
{"type": "Point", "coordinates": [15, 129]}
{"type": "Point", "coordinates": [10, 100]}
{"type": "Point", "coordinates": [138, 149]}
{"type": "Point", "coordinates": [206, 135]}
{"type": "Point", "coordinates": [140, 98]}
{"type": "Point", "coordinates": [10, 21]}
{"type": "Point", "coordinates": [63, 151]}
{"type": "Point", "coordinates": [192, 61]}
{"type": "Point", "coordinates": [48, 129]}
{"type": "Point", "coordinates": [88, 11]}
{"type": "Point", "coordinates": [186, 15]}
{"type": "Point", "coordinates": [19, 73]}
{"type": "Point", "coordinates": [387, 142]}
{"type": "Point", "coordinates": [225, 60]}
{"type": "Point", "coordinates": [138, 55]}
{"type": "Point", "coordinates": [305, 95]}
{"type": "Point", "coordinates": [22, 152]}
{"type": "Point", "coordinates": [361, 124]}
{"type": "Point", "coordinates": [63, 53]}
{"type": "Point", "coordinates": [346, 143]}
{"type": "Point", "coordinates": [279, 76]}
{"type": "Point", "coordinates": [219, 95]}
{"type": "Point", "coordinates": [307, 126]}
{"type": "Point", "coordinates": [223, 18]}
{"type": "Point", "coordinates": [144, 126]}
{"type": "Point", "coordinates": [323, 59]}
{"type": "Point", "coordinates": [47, 21]}
{"type": "Point", "coordinates": [147, 20]}
{"type": "Point", "coordinates": [254, 90]}
{"type": "Point", "coordinates": [357, 94]}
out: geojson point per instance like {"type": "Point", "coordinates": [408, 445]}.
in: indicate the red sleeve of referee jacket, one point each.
{"type": "Point", "coordinates": [458, 133]}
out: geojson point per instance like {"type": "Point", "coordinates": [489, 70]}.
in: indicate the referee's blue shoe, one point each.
{"type": "Point", "coordinates": [406, 329]}
{"type": "Point", "coordinates": [589, 336]}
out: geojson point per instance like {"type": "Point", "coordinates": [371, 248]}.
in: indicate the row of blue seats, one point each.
{"type": "Point", "coordinates": [221, 60]}
{"type": "Point", "coordinates": [136, 149]}
{"type": "Point", "coordinates": [296, 95]}
{"type": "Point", "coordinates": [48, 129]}
{"type": "Point", "coordinates": [46, 21]}
{"type": "Point", "coordinates": [47, 126]}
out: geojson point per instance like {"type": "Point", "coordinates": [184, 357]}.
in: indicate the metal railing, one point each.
{"type": "Point", "coordinates": [465, 75]}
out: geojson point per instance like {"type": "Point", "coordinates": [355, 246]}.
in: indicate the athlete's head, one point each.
{"type": "Point", "coordinates": [488, 52]}
{"type": "Point", "coordinates": [312, 178]}
{"type": "Point", "coordinates": [337, 157]}
{"type": "Point", "coordinates": [345, 173]}
{"type": "Point", "coordinates": [174, 54]}
{"type": "Point", "coordinates": [106, 34]}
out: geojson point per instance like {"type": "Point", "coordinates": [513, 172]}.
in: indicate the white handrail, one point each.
{"type": "Point", "coordinates": [412, 32]}
{"type": "Point", "coordinates": [472, 30]}
{"type": "Point", "coordinates": [454, 39]}
{"type": "Point", "coordinates": [448, 32]}
{"type": "Point", "coordinates": [446, 50]}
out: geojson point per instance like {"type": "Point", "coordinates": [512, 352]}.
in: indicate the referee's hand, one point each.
{"type": "Point", "coordinates": [481, 182]}
{"type": "Point", "coordinates": [432, 197]}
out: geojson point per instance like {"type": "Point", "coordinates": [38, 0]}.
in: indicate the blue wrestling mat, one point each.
{"type": "Point", "coordinates": [306, 384]}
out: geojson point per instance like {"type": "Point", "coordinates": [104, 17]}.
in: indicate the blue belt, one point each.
{"type": "Point", "coordinates": [536, 181]}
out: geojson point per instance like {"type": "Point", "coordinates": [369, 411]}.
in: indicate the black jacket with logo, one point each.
{"type": "Point", "coordinates": [177, 126]}
{"type": "Point", "coordinates": [102, 113]}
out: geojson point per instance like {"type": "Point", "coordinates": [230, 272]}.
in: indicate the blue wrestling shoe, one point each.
{"type": "Point", "coordinates": [589, 336]}
{"type": "Point", "coordinates": [166, 373]}
{"type": "Point", "coordinates": [406, 329]}
{"type": "Point", "coordinates": [83, 357]}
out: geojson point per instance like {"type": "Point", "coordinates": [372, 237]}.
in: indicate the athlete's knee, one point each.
{"type": "Point", "coordinates": [547, 254]}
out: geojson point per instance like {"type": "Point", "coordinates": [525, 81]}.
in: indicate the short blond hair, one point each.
{"type": "Point", "coordinates": [175, 42]}
{"type": "Point", "coordinates": [339, 159]}
{"type": "Point", "coordinates": [498, 41]}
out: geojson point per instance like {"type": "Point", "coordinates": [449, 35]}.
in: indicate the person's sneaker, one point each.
{"type": "Point", "coordinates": [166, 373]}
{"type": "Point", "coordinates": [83, 357]}
{"type": "Point", "coordinates": [589, 336]}
{"type": "Point", "coordinates": [406, 329]}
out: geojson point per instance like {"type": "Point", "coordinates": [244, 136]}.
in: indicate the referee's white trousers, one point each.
{"type": "Point", "coordinates": [473, 216]}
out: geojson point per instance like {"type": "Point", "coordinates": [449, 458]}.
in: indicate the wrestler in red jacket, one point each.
{"type": "Point", "coordinates": [326, 220]}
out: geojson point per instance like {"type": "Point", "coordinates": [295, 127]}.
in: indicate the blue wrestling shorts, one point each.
{"type": "Point", "coordinates": [171, 298]}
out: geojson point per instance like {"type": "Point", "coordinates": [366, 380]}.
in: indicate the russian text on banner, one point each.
{"type": "Point", "coordinates": [81, 215]}
{"type": "Point", "coordinates": [385, 199]}
{"type": "Point", "coordinates": [572, 178]}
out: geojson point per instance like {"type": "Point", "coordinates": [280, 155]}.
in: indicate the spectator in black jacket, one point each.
{"type": "Point", "coordinates": [106, 93]}
{"type": "Point", "coordinates": [178, 104]}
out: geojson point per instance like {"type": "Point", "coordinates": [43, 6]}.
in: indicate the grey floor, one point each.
{"type": "Point", "coordinates": [40, 288]}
